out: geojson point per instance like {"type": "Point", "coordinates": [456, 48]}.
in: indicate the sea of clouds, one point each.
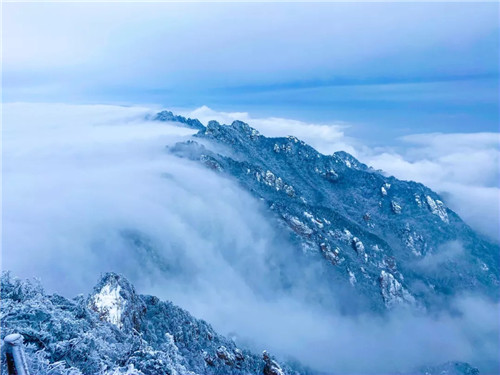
{"type": "Point", "coordinates": [83, 185]}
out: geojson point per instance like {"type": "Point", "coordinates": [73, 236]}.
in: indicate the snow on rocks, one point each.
{"type": "Point", "coordinates": [332, 255]}
{"type": "Point", "coordinates": [384, 188]}
{"type": "Point", "coordinates": [115, 301]}
{"type": "Point", "coordinates": [271, 367]}
{"type": "Point", "coordinates": [395, 207]}
{"type": "Point", "coordinates": [315, 221]}
{"type": "Point", "coordinates": [298, 226]}
{"type": "Point", "coordinates": [418, 199]}
{"type": "Point", "coordinates": [358, 246]}
{"type": "Point", "coordinates": [347, 235]}
{"type": "Point", "coordinates": [352, 277]}
{"type": "Point", "coordinates": [109, 304]}
{"type": "Point", "coordinates": [437, 208]}
{"type": "Point", "coordinates": [413, 241]}
{"type": "Point", "coordinates": [328, 174]}
{"type": "Point", "coordinates": [224, 354]}
{"type": "Point", "coordinates": [282, 148]}
{"type": "Point", "coordinates": [393, 292]}
{"type": "Point", "coordinates": [269, 179]}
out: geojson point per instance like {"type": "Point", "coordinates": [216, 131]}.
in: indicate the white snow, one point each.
{"type": "Point", "coordinates": [358, 245]}
{"type": "Point", "coordinates": [437, 208]}
{"type": "Point", "coordinates": [396, 208]}
{"type": "Point", "coordinates": [418, 200]}
{"type": "Point", "coordinates": [352, 278]}
{"type": "Point", "coordinates": [110, 304]}
{"type": "Point", "coordinates": [393, 291]}
{"type": "Point", "coordinates": [308, 215]}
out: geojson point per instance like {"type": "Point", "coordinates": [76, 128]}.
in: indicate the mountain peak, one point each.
{"type": "Point", "coordinates": [169, 116]}
{"type": "Point", "coordinates": [116, 301]}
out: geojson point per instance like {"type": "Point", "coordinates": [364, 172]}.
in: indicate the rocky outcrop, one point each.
{"type": "Point", "coordinates": [117, 331]}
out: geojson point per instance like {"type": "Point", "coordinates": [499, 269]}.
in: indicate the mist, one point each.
{"type": "Point", "coordinates": [90, 188]}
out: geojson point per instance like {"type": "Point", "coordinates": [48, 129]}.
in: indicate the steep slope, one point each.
{"type": "Point", "coordinates": [394, 241]}
{"type": "Point", "coordinates": [117, 331]}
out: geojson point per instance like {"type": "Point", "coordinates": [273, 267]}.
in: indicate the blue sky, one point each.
{"type": "Point", "coordinates": [388, 69]}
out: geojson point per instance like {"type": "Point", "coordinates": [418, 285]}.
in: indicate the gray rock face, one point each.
{"type": "Point", "coordinates": [363, 223]}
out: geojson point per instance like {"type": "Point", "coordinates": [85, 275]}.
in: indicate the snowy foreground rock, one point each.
{"type": "Point", "coordinates": [117, 331]}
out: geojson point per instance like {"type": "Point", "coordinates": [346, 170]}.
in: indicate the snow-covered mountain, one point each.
{"type": "Point", "coordinates": [378, 245]}
{"type": "Point", "coordinates": [117, 331]}
{"type": "Point", "coordinates": [395, 242]}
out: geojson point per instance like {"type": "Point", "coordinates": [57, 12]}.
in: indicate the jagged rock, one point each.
{"type": "Point", "coordinates": [116, 302]}
{"type": "Point", "coordinates": [224, 354]}
{"type": "Point", "coordinates": [271, 367]}
{"type": "Point", "coordinates": [437, 208]}
{"type": "Point", "coordinates": [393, 291]}
{"type": "Point", "coordinates": [396, 208]}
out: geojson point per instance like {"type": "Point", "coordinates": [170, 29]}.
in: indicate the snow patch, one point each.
{"type": "Point", "coordinates": [393, 291]}
{"type": "Point", "coordinates": [109, 304]}
{"type": "Point", "coordinates": [437, 208]}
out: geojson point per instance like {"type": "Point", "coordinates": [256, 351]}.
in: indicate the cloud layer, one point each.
{"type": "Point", "coordinates": [89, 189]}
{"type": "Point", "coordinates": [463, 168]}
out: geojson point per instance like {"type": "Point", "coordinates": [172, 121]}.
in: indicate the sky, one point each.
{"type": "Point", "coordinates": [408, 88]}
{"type": "Point", "coordinates": [386, 69]}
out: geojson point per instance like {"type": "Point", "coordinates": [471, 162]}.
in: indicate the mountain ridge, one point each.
{"type": "Point", "coordinates": [385, 230]}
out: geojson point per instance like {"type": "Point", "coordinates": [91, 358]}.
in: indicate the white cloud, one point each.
{"type": "Point", "coordinates": [464, 168]}
{"type": "Point", "coordinates": [76, 178]}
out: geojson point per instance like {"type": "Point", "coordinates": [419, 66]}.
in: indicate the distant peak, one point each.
{"type": "Point", "coordinates": [188, 122]}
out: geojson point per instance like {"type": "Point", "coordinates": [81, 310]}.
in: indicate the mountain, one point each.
{"type": "Point", "coordinates": [379, 244]}
{"type": "Point", "coordinates": [393, 242]}
{"type": "Point", "coordinates": [117, 331]}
